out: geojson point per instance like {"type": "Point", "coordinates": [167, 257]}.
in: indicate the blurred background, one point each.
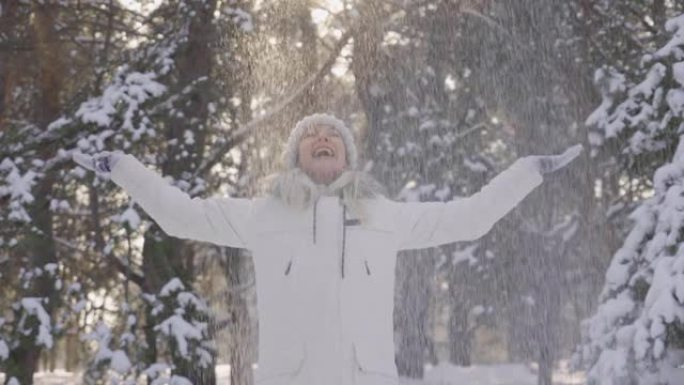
{"type": "Point", "coordinates": [441, 94]}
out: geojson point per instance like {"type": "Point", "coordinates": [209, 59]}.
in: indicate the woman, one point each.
{"type": "Point", "coordinates": [324, 243]}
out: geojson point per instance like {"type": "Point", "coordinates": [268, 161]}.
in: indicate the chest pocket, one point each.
{"type": "Point", "coordinates": [283, 244]}
{"type": "Point", "coordinates": [367, 246]}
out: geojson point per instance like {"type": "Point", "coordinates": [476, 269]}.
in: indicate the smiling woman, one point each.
{"type": "Point", "coordinates": [322, 153]}
{"type": "Point", "coordinates": [324, 244]}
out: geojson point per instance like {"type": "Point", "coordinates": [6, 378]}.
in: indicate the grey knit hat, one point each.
{"type": "Point", "coordinates": [291, 149]}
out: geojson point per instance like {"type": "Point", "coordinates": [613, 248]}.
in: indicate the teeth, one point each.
{"type": "Point", "coordinates": [323, 152]}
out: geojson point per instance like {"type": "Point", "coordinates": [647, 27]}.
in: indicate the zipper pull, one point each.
{"type": "Point", "coordinates": [344, 234]}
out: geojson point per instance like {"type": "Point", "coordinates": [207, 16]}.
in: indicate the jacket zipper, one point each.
{"type": "Point", "coordinates": [344, 234]}
{"type": "Point", "coordinates": [313, 225]}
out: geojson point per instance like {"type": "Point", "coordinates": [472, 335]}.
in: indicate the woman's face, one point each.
{"type": "Point", "coordinates": [322, 154]}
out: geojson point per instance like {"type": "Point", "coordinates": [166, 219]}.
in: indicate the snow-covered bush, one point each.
{"type": "Point", "coordinates": [637, 331]}
{"type": "Point", "coordinates": [107, 361]}
{"type": "Point", "coordinates": [182, 334]}
{"type": "Point", "coordinates": [642, 117]}
{"type": "Point", "coordinates": [31, 323]}
{"type": "Point", "coordinates": [184, 324]}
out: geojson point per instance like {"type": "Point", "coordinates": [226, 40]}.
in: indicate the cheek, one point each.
{"type": "Point", "coordinates": [343, 159]}
{"type": "Point", "coordinates": [342, 150]}
{"type": "Point", "coordinates": [303, 151]}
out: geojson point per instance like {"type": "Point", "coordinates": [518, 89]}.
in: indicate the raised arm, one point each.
{"type": "Point", "coordinates": [222, 221]}
{"type": "Point", "coordinates": [428, 224]}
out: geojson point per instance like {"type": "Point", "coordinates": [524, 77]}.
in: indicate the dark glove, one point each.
{"type": "Point", "coordinates": [102, 163]}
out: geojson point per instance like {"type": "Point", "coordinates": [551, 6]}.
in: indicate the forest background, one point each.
{"type": "Point", "coordinates": [442, 95]}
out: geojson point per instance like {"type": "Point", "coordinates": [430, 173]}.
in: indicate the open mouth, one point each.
{"type": "Point", "coordinates": [323, 152]}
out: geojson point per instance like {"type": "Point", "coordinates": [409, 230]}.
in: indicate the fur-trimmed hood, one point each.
{"type": "Point", "coordinates": [296, 189]}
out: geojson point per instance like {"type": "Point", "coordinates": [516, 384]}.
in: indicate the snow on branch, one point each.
{"type": "Point", "coordinates": [632, 336]}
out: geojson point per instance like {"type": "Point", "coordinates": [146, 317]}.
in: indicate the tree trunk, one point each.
{"type": "Point", "coordinates": [165, 257]}
{"type": "Point", "coordinates": [241, 352]}
{"type": "Point", "coordinates": [72, 353]}
{"type": "Point", "coordinates": [460, 337]}
{"type": "Point", "coordinates": [309, 102]}
{"type": "Point", "coordinates": [367, 65]}
{"type": "Point", "coordinates": [38, 245]}
{"type": "Point", "coordinates": [414, 269]}
{"type": "Point", "coordinates": [6, 27]}
{"type": "Point", "coordinates": [237, 270]}
{"type": "Point", "coordinates": [659, 16]}
{"type": "Point", "coordinates": [414, 277]}
{"type": "Point", "coordinates": [538, 119]}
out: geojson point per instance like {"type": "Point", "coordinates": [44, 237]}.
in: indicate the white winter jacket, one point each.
{"type": "Point", "coordinates": [324, 279]}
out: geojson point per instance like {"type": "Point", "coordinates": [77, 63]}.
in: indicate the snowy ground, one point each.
{"type": "Point", "coordinates": [510, 374]}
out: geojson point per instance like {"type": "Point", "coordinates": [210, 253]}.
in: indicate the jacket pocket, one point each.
{"type": "Point", "coordinates": [281, 367]}
{"type": "Point", "coordinates": [291, 263]}
{"type": "Point", "coordinates": [365, 265]}
{"type": "Point", "coordinates": [372, 370]}
{"type": "Point", "coordinates": [284, 247]}
{"type": "Point", "coordinates": [289, 266]}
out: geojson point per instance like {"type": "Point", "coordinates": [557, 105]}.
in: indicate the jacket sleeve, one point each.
{"type": "Point", "coordinates": [428, 224]}
{"type": "Point", "coordinates": [222, 221]}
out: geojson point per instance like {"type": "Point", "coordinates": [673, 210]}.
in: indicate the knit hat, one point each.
{"type": "Point", "coordinates": [291, 150]}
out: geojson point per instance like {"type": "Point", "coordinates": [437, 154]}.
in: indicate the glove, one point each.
{"type": "Point", "coordinates": [102, 163]}
{"type": "Point", "coordinates": [546, 164]}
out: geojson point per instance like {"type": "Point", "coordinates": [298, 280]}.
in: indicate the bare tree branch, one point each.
{"type": "Point", "coordinates": [242, 132]}
{"type": "Point", "coordinates": [122, 267]}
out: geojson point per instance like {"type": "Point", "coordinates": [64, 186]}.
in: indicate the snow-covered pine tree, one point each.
{"type": "Point", "coordinates": [637, 332]}
{"type": "Point", "coordinates": [36, 86]}
{"type": "Point", "coordinates": [184, 342]}
{"type": "Point", "coordinates": [184, 327]}
{"type": "Point", "coordinates": [151, 99]}
{"type": "Point", "coordinates": [30, 324]}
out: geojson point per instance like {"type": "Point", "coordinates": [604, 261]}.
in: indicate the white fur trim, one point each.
{"type": "Point", "coordinates": [291, 148]}
{"type": "Point", "coordinates": [296, 189]}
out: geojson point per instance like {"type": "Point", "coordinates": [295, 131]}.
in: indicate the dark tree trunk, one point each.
{"type": "Point", "coordinates": [368, 65]}
{"type": "Point", "coordinates": [236, 268]}
{"type": "Point", "coordinates": [414, 269]}
{"type": "Point", "coordinates": [538, 117]}
{"type": "Point", "coordinates": [414, 277]}
{"type": "Point", "coordinates": [38, 245]}
{"type": "Point", "coordinates": [309, 102]}
{"type": "Point", "coordinates": [460, 338]}
{"type": "Point", "coordinates": [165, 257]}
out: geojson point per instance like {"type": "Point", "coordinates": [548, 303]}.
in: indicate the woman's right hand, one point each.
{"type": "Point", "coordinates": [546, 164]}
{"type": "Point", "coordinates": [102, 163]}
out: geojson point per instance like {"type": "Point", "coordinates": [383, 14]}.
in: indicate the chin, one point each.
{"type": "Point", "coordinates": [324, 176]}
